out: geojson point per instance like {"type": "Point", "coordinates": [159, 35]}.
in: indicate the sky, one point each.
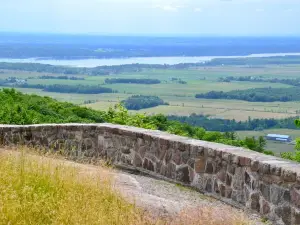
{"type": "Point", "coordinates": [153, 17]}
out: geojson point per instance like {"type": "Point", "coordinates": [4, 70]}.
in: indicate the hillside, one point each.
{"type": "Point", "coordinates": [18, 108]}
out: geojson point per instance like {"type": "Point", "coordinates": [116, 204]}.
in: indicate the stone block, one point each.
{"type": "Point", "coordinates": [148, 165]}
{"type": "Point", "coordinates": [238, 178]}
{"type": "Point", "coordinates": [168, 156]}
{"type": "Point", "coordinates": [295, 216]}
{"type": "Point", "coordinates": [200, 164]}
{"type": "Point", "coordinates": [254, 201]}
{"type": "Point", "coordinates": [226, 156]}
{"type": "Point", "coordinates": [209, 185]}
{"type": "Point", "coordinates": [243, 161]}
{"type": "Point", "coordinates": [137, 161]}
{"type": "Point", "coordinates": [288, 176]}
{"type": "Point", "coordinates": [185, 157]}
{"type": "Point", "coordinates": [264, 207]}
{"type": "Point", "coordinates": [231, 168]}
{"type": "Point", "coordinates": [196, 151]}
{"type": "Point", "coordinates": [228, 179]}
{"type": "Point", "coordinates": [191, 174]}
{"type": "Point", "coordinates": [221, 175]}
{"type": "Point", "coordinates": [183, 174]}
{"type": "Point", "coordinates": [265, 191]}
{"type": "Point", "coordinates": [264, 168]}
{"type": "Point", "coordinates": [295, 196]}
{"type": "Point", "coordinates": [238, 196]}
{"type": "Point", "coordinates": [285, 213]}
{"type": "Point", "coordinates": [275, 170]}
{"type": "Point", "coordinates": [278, 194]}
{"type": "Point", "coordinates": [210, 167]}
{"type": "Point", "coordinates": [176, 157]}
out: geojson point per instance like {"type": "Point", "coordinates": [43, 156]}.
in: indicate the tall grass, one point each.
{"type": "Point", "coordinates": [36, 191]}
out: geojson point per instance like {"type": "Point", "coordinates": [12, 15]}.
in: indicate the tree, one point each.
{"type": "Point", "coordinates": [261, 143]}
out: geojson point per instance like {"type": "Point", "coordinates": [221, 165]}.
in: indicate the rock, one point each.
{"type": "Point", "coordinates": [200, 165]}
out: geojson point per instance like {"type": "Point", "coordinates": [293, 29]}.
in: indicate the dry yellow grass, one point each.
{"type": "Point", "coordinates": [40, 190]}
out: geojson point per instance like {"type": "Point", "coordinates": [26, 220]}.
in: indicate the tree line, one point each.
{"type": "Point", "coordinates": [254, 61]}
{"type": "Point", "coordinates": [292, 82]}
{"type": "Point", "coordinates": [63, 88]}
{"type": "Point", "coordinates": [137, 102]}
{"type": "Point", "coordinates": [256, 94]}
{"type": "Point", "coordinates": [96, 71]}
{"type": "Point", "coordinates": [224, 125]}
{"type": "Point", "coordinates": [48, 77]}
{"type": "Point", "coordinates": [131, 81]}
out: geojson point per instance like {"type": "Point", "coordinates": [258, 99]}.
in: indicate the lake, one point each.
{"type": "Point", "coordinates": [141, 60]}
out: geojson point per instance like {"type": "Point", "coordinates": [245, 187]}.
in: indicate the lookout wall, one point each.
{"type": "Point", "coordinates": [246, 179]}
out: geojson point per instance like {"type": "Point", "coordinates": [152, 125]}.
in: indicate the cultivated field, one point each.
{"type": "Point", "coordinates": [181, 97]}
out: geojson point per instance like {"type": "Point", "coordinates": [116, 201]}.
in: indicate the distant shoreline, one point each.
{"type": "Point", "coordinates": [94, 62]}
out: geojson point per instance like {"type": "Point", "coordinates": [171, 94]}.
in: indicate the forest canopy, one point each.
{"type": "Point", "coordinates": [137, 102]}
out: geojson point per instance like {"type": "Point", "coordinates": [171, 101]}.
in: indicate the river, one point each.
{"type": "Point", "coordinates": [142, 60]}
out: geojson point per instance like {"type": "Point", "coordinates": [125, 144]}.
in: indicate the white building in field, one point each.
{"type": "Point", "coordinates": [279, 137]}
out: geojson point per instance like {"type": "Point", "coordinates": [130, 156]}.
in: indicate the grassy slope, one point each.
{"type": "Point", "coordinates": [44, 192]}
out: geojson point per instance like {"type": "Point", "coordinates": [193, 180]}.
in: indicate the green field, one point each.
{"type": "Point", "coordinates": [181, 97]}
{"type": "Point", "coordinates": [276, 147]}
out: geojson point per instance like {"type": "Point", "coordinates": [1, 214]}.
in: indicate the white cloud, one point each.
{"type": "Point", "coordinates": [170, 8]}
{"type": "Point", "coordinates": [198, 10]}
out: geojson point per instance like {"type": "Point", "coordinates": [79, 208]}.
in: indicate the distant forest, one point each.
{"type": "Point", "coordinates": [254, 61]}
{"type": "Point", "coordinates": [223, 125]}
{"type": "Point", "coordinates": [137, 102]}
{"type": "Point", "coordinates": [63, 47]}
{"type": "Point", "coordinates": [292, 82]}
{"type": "Point", "coordinates": [47, 77]}
{"type": "Point", "coordinates": [60, 88]}
{"type": "Point", "coordinates": [256, 94]}
{"type": "Point", "coordinates": [96, 71]}
{"type": "Point", "coordinates": [131, 81]}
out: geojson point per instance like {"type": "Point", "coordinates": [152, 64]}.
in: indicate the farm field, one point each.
{"type": "Point", "coordinates": [276, 147]}
{"type": "Point", "coordinates": [181, 97]}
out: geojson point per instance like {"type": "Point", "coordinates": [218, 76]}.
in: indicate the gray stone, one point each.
{"type": "Point", "coordinates": [208, 186]}
{"type": "Point", "coordinates": [254, 201]}
{"type": "Point", "coordinates": [284, 212]}
{"type": "Point", "coordinates": [264, 207]}
{"type": "Point", "coordinates": [295, 216]}
{"type": "Point", "coordinates": [279, 194]}
{"type": "Point", "coordinates": [182, 174]}
{"type": "Point", "coordinates": [265, 191]}
{"type": "Point", "coordinates": [210, 168]}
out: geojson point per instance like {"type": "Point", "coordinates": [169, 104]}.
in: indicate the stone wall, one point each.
{"type": "Point", "coordinates": [266, 184]}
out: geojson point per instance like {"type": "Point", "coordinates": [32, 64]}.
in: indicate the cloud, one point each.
{"type": "Point", "coordinates": [170, 8]}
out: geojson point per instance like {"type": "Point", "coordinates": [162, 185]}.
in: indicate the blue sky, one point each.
{"type": "Point", "coordinates": [156, 17]}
